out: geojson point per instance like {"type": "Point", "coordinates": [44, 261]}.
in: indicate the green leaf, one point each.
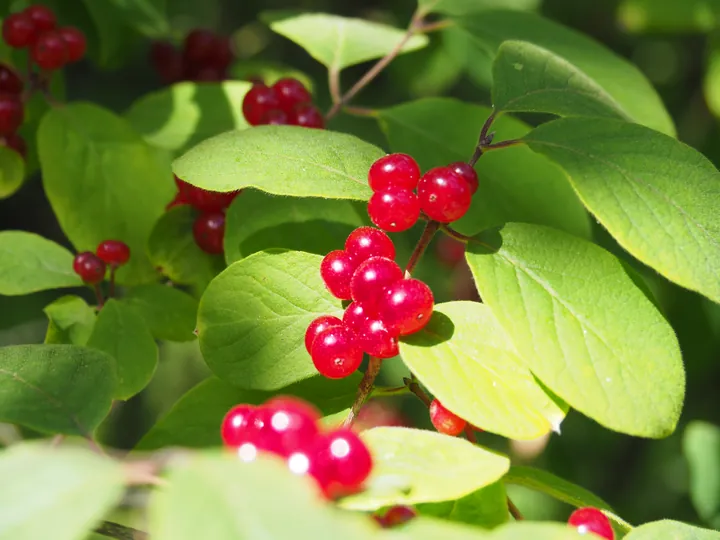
{"type": "Point", "coordinates": [30, 263]}
{"type": "Point", "coordinates": [58, 493]}
{"type": "Point", "coordinates": [582, 326]}
{"type": "Point", "coordinates": [122, 333]}
{"type": "Point", "coordinates": [669, 15]}
{"type": "Point", "coordinates": [618, 77]}
{"type": "Point", "coordinates": [514, 184]}
{"type": "Point", "coordinates": [415, 466]}
{"type": "Point", "coordinates": [528, 78]}
{"type": "Point", "coordinates": [711, 84]}
{"type": "Point", "coordinates": [701, 446]}
{"type": "Point", "coordinates": [430, 529]}
{"type": "Point", "coordinates": [468, 7]}
{"type": "Point", "coordinates": [70, 321]}
{"type": "Point", "coordinates": [103, 181]}
{"type": "Point", "coordinates": [180, 116]}
{"type": "Point", "coordinates": [55, 388]}
{"type": "Point", "coordinates": [144, 16]}
{"type": "Point", "coordinates": [464, 357]}
{"type": "Point", "coordinates": [169, 313]}
{"type": "Point", "coordinates": [257, 221]}
{"type": "Point", "coordinates": [339, 42]}
{"type": "Point", "coordinates": [486, 507]}
{"type": "Point", "coordinates": [194, 421]}
{"type": "Point", "coordinates": [174, 252]}
{"type": "Point", "coordinates": [305, 162]}
{"type": "Point", "coordinates": [253, 317]}
{"type": "Point", "coordinates": [12, 171]}
{"type": "Point", "coordinates": [671, 530]}
{"type": "Point", "coordinates": [627, 176]}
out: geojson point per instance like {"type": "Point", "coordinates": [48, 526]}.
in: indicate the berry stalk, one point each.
{"type": "Point", "coordinates": [364, 390]}
{"type": "Point", "coordinates": [421, 246]}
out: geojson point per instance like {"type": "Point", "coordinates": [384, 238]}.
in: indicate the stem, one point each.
{"type": "Point", "coordinates": [434, 26]}
{"type": "Point", "coordinates": [483, 140]}
{"type": "Point", "coordinates": [470, 434]}
{"type": "Point", "coordinates": [423, 243]}
{"type": "Point", "coordinates": [514, 510]}
{"type": "Point", "coordinates": [121, 532]}
{"type": "Point", "coordinates": [364, 390]}
{"type": "Point", "coordinates": [334, 85]}
{"type": "Point", "coordinates": [113, 268]}
{"type": "Point", "coordinates": [415, 388]}
{"type": "Point", "coordinates": [99, 296]}
{"type": "Point", "coordinates": [388, 392]}
{"type": "Point", "coordinates": [360, 111]}
{"type": "Point", "coordinates": [503, 144]}
{"type": "Point", "coordinates": [452, 233]}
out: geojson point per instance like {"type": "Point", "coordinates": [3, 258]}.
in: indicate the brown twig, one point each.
{"type": "Point", "coordinates": [423, 243]}
{"type": "Point", "coordinates": [364, 390]}
{"type": "Point", "coordinates": [334, 84]}
{"type": "Point", "coordinates": [514, 510]}
{"type": "Point", "coordinates": [416, 389]}
{"type": "Point", "coordinates": [121, 532]}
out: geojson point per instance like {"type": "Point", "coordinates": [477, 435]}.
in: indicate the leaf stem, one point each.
{"type": "Point", "coordinates": [121, 532]}
{"type": "Point", "coordinates": [427, 28]}
{"type": "Point", "coordinates": [452, 233]}
{"type": "Point", "coordinates": [514, 510]}
{"type": "Point", "coordinates": [113, 269]}
{"type": "Point", "coordinates": [430, 229]}
{"type": "Point", "coordinates": [99, 296]}
{"type": "Point", "coordinates": [380, 391]}
{"type": "Point", "coordinates": [334, 84]}
{"type": "Point", "coordinates": [364, 390]}
{"type": "Point", "coordinates": [416, 389]}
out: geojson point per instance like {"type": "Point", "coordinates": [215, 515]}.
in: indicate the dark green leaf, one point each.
{"type": "Point", "coordinates": [701, 446]}
{"type": "Point", "coordinates": [12, 171]}
{"type": "Point", "coordinates": [169, 313]}
{"type": "Point", "coordinates": [430, 529]}
{"type": "Point", "coordinates": [70, 321]}
{"type": "Point", "coordinates": [669, 15]}
{"type": "Point", "coordinates": [486, 507]}
{"type": "Point", "coordinates": [671, 530]}
{"type": "Point", "coordinates": [467, 7]}
{"type": "Point", "coordinates": [144, 16]}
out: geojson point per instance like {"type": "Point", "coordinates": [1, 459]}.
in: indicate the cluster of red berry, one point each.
{"type": "Point", "coordinates": [287, 102]}
{"type": "Point", "coordinates": [338, 460]}
{"type": "Point", "coordinates": [12, 112]}
{"type": "Point", "coordinates": [205, 56]}
{"type": "Point", "coordinates": [444, 194]}
{"type": "Point", "coordinates": [91, 266]}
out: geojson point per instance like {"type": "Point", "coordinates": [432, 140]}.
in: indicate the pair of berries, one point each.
{"type": "Point", "coordinates": [287, 427]}
{"type": "Point", "coordinates": [592, 520]}
{"type": "Point", "coordinates": [444, 194]}
{"type": "Point", "coordinates": [50, 47]}
{"type": "Point", "coordinates": [12, 111]}
{"type": "Point", "coordinates": [287, 102]}
{"type": "Point", "coordinates": [384, 305]}
{"type": "Point", "coordinates": [209, 226]}
{"type": "Point", "coordinates": [91, 266]}
{"type": "Point", "coordinates": [205, 56]}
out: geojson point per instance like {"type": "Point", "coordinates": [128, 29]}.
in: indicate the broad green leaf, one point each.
{"type": "Point", "coordinates": [669, 15]}
{"type": "Point", "coordinates": [671, 530]}
{"type": "Point", "coordinates": [268, 71]}
{"type": "Point", "coordinates": [194, 421]}
{"type": "Point", "coordinates": [55, 388]}
{"type": "Point", "coordinates": [30, 263]}
{"type": "Point", "coordinates": [122, 333]}
{"type": "Point", "coordinates": [618, 77]}
{"type": "Point", "coordinates": [582, 326]}
{"type": "Point", "coordinates": [528, 78]}
{"type": "Point", "coordinates": [338, 42]}
{"type": "Point", "coordinates": [220, 498]}
{"type": "Point", "coordinates": [70, 321]}
{"type": "Point", "coordinates": [415, 466]}
{"type": "Point", "coordinates": [144, 16]}
{"type": "Point", "coordinates": [58, 493]}
{"type": "Point", "coordinates": [466, 360]}
{"type": "Point", "coordinates": [468, 7]}
{"type": "Point", "coordinates": [175, 254]}
{"type": "Point", "coordinates": [711, 84]}
{"type": "Point", "coordinates": [627, 176]}
{"type": "Point", "coordinates": [282, 160]}
{"type": "Point", "coordinates": [253, 317]}
{"type": "Point", "coordinates": [12, 171]}
{"type": "Point", "coordinates": [701, 446]}
{"type": "Point", "coordinates": [430, 529]}
{"type": "Point", "coordinates": [103, 181]}
{"type": "Point", "coordinates": [168, 312]}
{"type": "Point", "coordinates": [486, 507]}
{"type": "Point", "coordinates": [514, 184]}
{"type": "Point", "coordinates": [180, 116]}
{"type": "Point", "coordinates": [257, 221]}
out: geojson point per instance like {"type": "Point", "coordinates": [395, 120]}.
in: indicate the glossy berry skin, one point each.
{"type": "Point", "coordinates": [445, 421]}
{"type": "Point", "coordinates": [12, 114]}
{"type": "Point", "coordinates": [394, 171]}
{"type": "Point", "coordinates": [306, 115]}
{"type": "Point", "coordinates": [290, 93]}
{"type": "Point", "coordinates": [366, 242]}
{"type": "Point", "coordinates": [444, 195]}
{"type": "Point", "coordinates": [17, 143]}
{"type": "Point", "coordinates": [394, 210]}
{"type": "Point", "coordinates": [406, 306]}
{"type": "Point", "coordinates": [275, 117]}
{"type": "Point", "coordinates": [74, 41]}
{"type": "Point", "coordinates": [317, 326]}
{"type": "Point", "coordinates": [209, 231]}
{"type": "Point", "coordinates": [371, 277]}
{"type": "Point", "coordinates": [467, 173]}
{"type": "Point", "coordinates": [337, 269]}
{"type": "Point", "coordinates": [592, 520]}
{"type": "Point", "coordinates": [207, 201]}
{"type": "Point", "coordinates": [89, 267]}
{"type": "Point", "coordinates": [50, 51]}
{"type": "Point", "coordinates": [335, 353]}
{"type": "Point", "coordinates": [42, 18]}
{"type": "Point", "coordinates": [376, 340]}
{"type": "Point", "coordinates": [355, 317]}
{"type": "Point", "coordinates": [235, 425]}
{"type": "Point", "coordinates": [257, 102]}
{"type": "Point", "coordinates": [395, 516]}
{"type": "Point", "coordinates": [10, 82]}
{"type": "Point", "coordinates": [19, 31]}
{"type": "Point", "coordinates": [351, 459]}
{"type": "Point", "coordinates": [113, 252]}
{"type": "Point", "coordinates": [285, 425]}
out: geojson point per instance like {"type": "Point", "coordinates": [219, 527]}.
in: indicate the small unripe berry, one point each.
{"type": "Point", "coordinates": [394, 210]}
{"type": "Point", "coordinates": [444, 195]}
{"type": "Point", "coordinates": [114, 252]}
{"type": "Point", "coordinates": [209, 232]}
{"type": "Point", "coordinates": [444, 420]}
{"type": "Point", "coordinates": [335, 353]}
{"type": "Point", "coordinates": [89, 267]}
{"type": "Point", "coordinates": [592, 520]}
{"type": "Point", "coordinates": [394, 171]}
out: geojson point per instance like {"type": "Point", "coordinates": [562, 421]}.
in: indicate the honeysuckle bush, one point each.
{"type": "Point", "coordinates": [573, 145]}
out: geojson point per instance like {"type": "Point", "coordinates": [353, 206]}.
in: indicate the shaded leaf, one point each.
{"type": "Point", "coordinates": [70, 321]}
{"type": "Point", "coordinates": [168, 312]}
{"type": "Point", "coordinates": [669, 15]}
{"type": "Point", "coordinates": [12, 171]}
{"type": "Point", "coordinates": [467, 7]}
{"type": "Point", "coordinates": [486, 508]}
{"type": "Point", "coordinates": [701, 446]}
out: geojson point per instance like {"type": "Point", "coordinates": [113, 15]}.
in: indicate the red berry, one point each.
{"type": "Point", "coordinates": [394, 171]}
{"type": "Point", "coordinates": [258, 101]}
{"type": "Point", "coordinates": [592, 520]}
{"type": "Point", "coordinates": [199, 46]}
{"type": "Point", "coordinates": [167, 61]}
{"type": "Point", "coordinates": [396, 515]}
{"type": "Point", "coordinates": [222, 55]}
{"type": "Point", "coordinates": [467, 173]}
{"type": "Point", "coordinates": [75, 41]}
{"type": "Point", "coordinates": [317, 326]}
{"type": "Point", "coordinates": [306, 115]}
{"type": "Point", "coordinates": [275, 117]}
{"type": "Point", "coordinates": [352, 462]}
{"type": "Point", "coordinates": [371, 277]}
{"type": "Point", "coordinates": [89, 267]}
{"type": "Point", "coordinates": [406, 306]}
{"type": "Point", "coordinates": [337, 269]}
{"type": "Point", "coordinates": [114, 252]}
{"type": "Point", "coordinates": [366, 242]}
{"type": "Point", "coordinates": [312, 461]}
{"type": "Point", "coordinates": [42, 17]}
{"type": "Point", "coordinates": [355, 317]}
{"type": "Point", "coordinates": [12, 114]}
{"type": "Point", "coordinates": [205, 200]}
{"type": "Point", "coordinates": [284, 425]}
{"type": "Point", "coordinates": [445, 421]}
{"type": "Point", "coordinates": [444, 195]}
{"type": "Point", "coordinates": [394, 210]}
{"type": "Point", "coordinates": [17, 143]}
{"type": "Point", "coordinates": [335, 353]}
{"type": "Point", "coordinates": [376, 340]}
{"type": "Point", "coordinates": [19, 31]}
{"type": "Point", "coordinates": [209, 231]}
{"type": "Point", "coordinates": [10, 82]}
{"type": "Point", "coordinates": [50, 51]}
{"type": "Point", "coordinates": [290, 93]}
{"type": "Point", "coordinates": [235, 425]}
